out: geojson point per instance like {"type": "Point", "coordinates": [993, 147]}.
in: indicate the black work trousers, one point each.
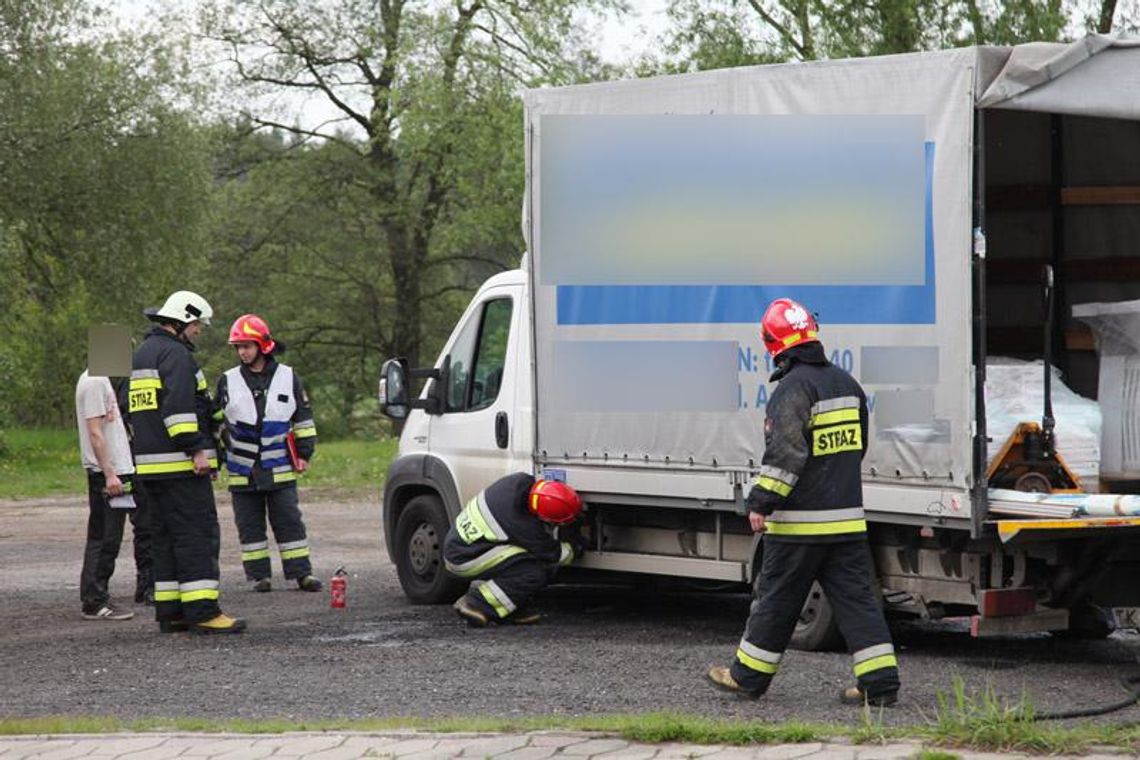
{"type": "Point", "coordinates": [284, 513]}
{"type": "Point", "coordinates": [844, 571]}
{"type": "Point", "coordinates": [507, 587]}
{"type": "Point", "coordinates": [104, 536]}
{"type": "Point", "coordinates": [186, 544]}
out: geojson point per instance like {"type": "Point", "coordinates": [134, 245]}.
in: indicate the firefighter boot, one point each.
{"type": "Point", "coordinates": [220, 623]}
{"type": "Point", "coordinates": [467, 610]}
{"type": "Point", "coordinates": [525, 616]}
{"type": "Point", "coordinates": [721, 678]}
{"type": "Point", "coordinates": [177, 625]}
{"type": "Point", "coordinates": [853, 695]}
{"type": "Point", "coordinates": [309, 583]}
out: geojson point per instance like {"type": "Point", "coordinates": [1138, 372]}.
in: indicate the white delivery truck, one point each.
{"type": "Point", "coordinates": [911, 201]}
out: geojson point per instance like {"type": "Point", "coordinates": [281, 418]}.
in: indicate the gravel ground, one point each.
{"type": "Point", "coordinates": [598, 650]}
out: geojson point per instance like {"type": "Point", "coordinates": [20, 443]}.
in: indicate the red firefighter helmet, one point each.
{"type": "Point", "coordinates": [554, 502]}
{"type": "Point", "coordinates": [250, 328]}
{"type": "Point", "coordinates": [785, 324]}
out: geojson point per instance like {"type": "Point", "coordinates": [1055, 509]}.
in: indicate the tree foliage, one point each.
{"type": "Point", "coordinates": [103, 192]}
{"type": "Point", "coordinates": [713, 33]}
{"type": "Point", "coordinates": [420, 165]}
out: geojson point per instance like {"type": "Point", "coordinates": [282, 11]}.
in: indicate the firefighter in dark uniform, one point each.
{"type": "Point", "coordinates": [170, 412]}
{"type": "Point", "coordinates": [503, 540]}
{"type": "Point", "coordinates": [808, 502]}
{"type": "Point", "coordinates": [268, 422]}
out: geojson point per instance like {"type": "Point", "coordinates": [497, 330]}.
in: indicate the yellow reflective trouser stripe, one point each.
{"type": "Point", "coordinates": [254, 555]}
{"type": "Point", "coordinates": [284, 477]}
{"type": "Point", "coordinates": [182, 427]}
{"type": "Point", "coordinates": [817, 529]}
{"type": "Point", "coordinates": [751, 662]}
{"type": "Point", "coordinates": [239, 480]}
{"type": "Point", "coordinates": [876, 663]}
{"type": "Point", "coordinates": [771, 484]}
{"type": "Point", "coordinates": [497, 555]}
{"type": "Point", "coordinates": [493, 600]}
{"type": "Point", "coordinates": [167, 596]}
{"type": "Point", "coordinates": [295, 553]}
{"type": "Point", "coordinates": [305, 432]}
{"type": "Point", "coordinates": [835, 417]}
{"type": "Point", "coordinates": [199, 594]}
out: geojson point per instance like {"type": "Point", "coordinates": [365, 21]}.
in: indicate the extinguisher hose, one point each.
{"type": "Point", "coordinates": [1131, 685]}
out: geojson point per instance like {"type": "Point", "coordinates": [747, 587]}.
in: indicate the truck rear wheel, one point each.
{"type": "Point", "coordinates": [816, 629]}
{"type": "Point", "coordinates": [420, 531]}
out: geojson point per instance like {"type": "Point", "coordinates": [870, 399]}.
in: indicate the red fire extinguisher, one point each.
{"type": "Point", "coordinates": [338, 588]}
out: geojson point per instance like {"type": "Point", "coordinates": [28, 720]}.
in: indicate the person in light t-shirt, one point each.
{"type": "Point", "coordinates": [106, 455]}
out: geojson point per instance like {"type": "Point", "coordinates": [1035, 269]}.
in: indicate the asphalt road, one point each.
{"type": "Point", "coordinates": [598, 650]}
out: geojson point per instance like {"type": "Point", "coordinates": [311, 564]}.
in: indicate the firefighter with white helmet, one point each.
{"type": "Point", "coordinates": [808, 503]}
{"type": "Point", "coordinates": [170, 412]}
{"type": "Point", "coordinates": [271, 437]}
{"type": "Point", "coordinates": [504, 541]}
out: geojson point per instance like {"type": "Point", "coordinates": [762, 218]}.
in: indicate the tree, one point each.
{"type": "Point", "coordinates": [104, 191]}
{"type": "Point", "coordinates": [710, 33]}
{"type": "Point", "coordinates": [425, 140]}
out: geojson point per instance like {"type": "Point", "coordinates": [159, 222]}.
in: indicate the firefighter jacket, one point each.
{"type": "Point", "coordinates": [260, 410]}
{"type": "Point", "coordinates": [815, 434]}
{"type": "Point", "coordinates": [169, 408]}
{"type": "Point", "coordinates": [496, 528]}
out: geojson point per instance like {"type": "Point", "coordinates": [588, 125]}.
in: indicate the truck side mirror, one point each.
{"type": "Point", "coordinates": [395, 399]}
{"type": "Point", "coordinates": [393, 391]}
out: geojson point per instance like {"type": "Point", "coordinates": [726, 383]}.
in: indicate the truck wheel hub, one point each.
{"type": "Point", "coordinates": [423, 549]}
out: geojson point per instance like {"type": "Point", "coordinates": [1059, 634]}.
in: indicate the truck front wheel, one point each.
{"type": "Point", "coordinates": [816, 629]}
{"type": "Point", "coordinates": [420, 531]}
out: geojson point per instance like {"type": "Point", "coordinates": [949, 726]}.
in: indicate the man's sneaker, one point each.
{"type": "Point", "coordinates": [467, 611]}
{"type": "Point", "coordinates": [220, 623]}
{"type": "Point", "coordinates": [107, 611]}
{"type": "Point", "coordinates": [309, 583]}
{"type": "Point", "coordinates": [853, 695]}
{"type": "Point", "coordinates": [262, 585]}
{"type": "Point", "coordinates": [721, 678]}
{"type": "Point", "coordinates": [178, 625]}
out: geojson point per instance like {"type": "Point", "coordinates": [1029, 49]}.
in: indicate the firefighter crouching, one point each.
{"type": "Point", "coordinates": [502, 540]}
{"type": "Point", "coordinates": [170, 414]}
{"type": "Point", "coordinates": [808, 502]}
{"type": "Point", "coordinates": [263, 402]}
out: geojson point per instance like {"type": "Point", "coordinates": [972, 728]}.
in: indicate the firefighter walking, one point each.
{"type": "Point", "coordinates": [502, 541]}
{"type": "Point", "coordinates": [170, 414]}
{"type": "Point", "coordinates": [808, 503]}
{"type": "Point", "coordinates": [270, 438]}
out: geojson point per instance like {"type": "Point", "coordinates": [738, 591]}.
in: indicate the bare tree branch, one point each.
{"type": "Point", "coordinates": [780, 28]}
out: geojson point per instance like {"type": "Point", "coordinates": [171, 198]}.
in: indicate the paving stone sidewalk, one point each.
{"type": "Point", "coordinates": [411, 745]}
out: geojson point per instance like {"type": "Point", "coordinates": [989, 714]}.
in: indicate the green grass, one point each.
{"type": "Point", "coordinates": [985, 721]}
{"type": "Point", "coordinates": [968, 722]}
{"type": "Point", "coordinates": [45, 462]}
{"type": "Point", "coordinates": [41, 462]}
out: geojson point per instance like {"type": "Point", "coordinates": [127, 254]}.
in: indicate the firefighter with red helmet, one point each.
{"type": "Point", "coordinates": [808, 503]}
{"type": "Point", "coordinates": [504, 541]}
{"type": "Point", "coordinates": [270, 438]}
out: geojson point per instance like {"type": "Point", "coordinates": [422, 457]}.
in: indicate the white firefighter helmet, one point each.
{"type": "Point", "coordinates": [182, 306]}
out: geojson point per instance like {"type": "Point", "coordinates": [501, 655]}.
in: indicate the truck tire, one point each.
{"type": "Point", "coordinates": [816, 629]}
{"type": "Point", "coordinates": [420, 531]}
